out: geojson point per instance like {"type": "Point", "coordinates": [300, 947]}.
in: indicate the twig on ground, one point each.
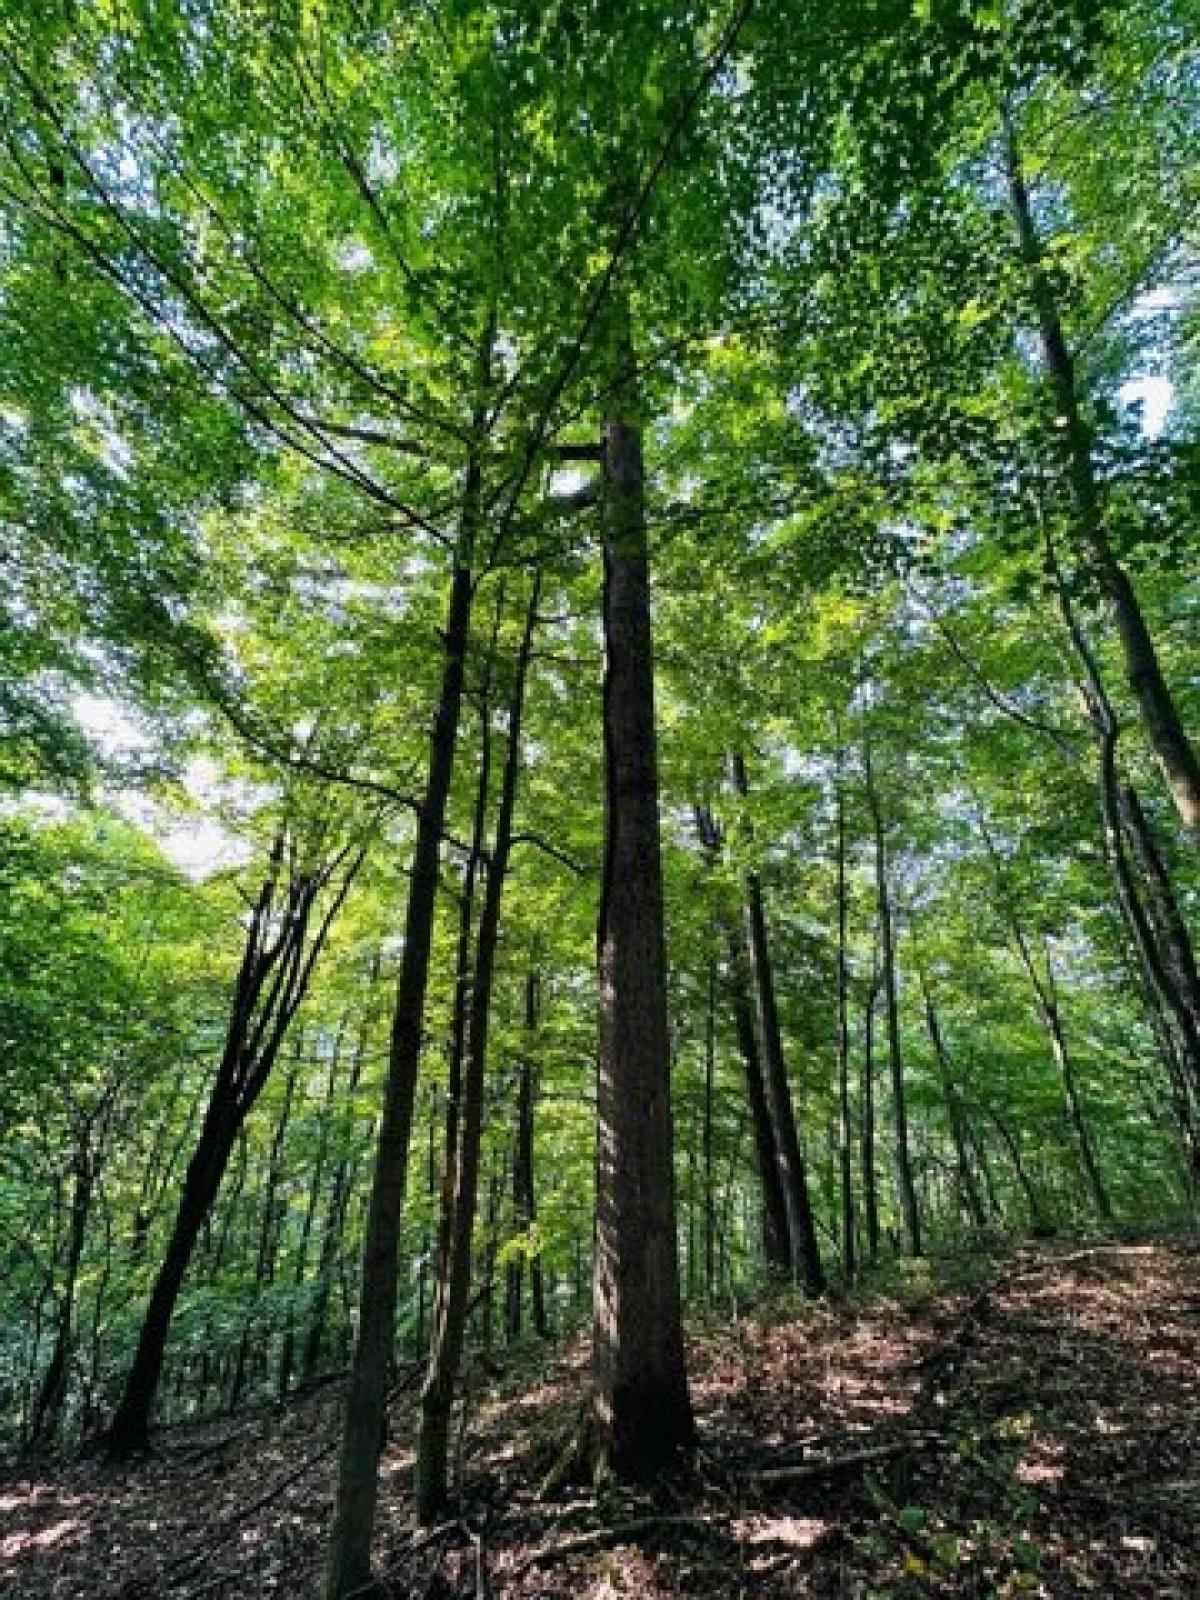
{"type": "Point", "coordinates": [619, 1533]}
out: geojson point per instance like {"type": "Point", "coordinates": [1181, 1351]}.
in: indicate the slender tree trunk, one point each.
{"type": "Point", "coordinates": [349, 1562]}
{"type": "Point", "coordinates": [334, 1226]}
{"type": "Point", "coordinates": [1039, 1221]}
{"type": "Point", "coordinates": [524, 1195]}
{"type": "Point", "coordinates": [264, 1265]}
{"type": "Point", "coordinates": [870, 1187]}
{"type": "Point", "coordinates": [845, 1127]}
{"type": "Point", "coordinates": [642, 1407]}
{"type": "Point", "coordinates": [1052, 1017]}
{"type": "Point", "coordinates": [1175, 942]}
{"type": "Point", "coordinates": [968, 1188]}
{"type": "Point", "coordinates": [710, 1201]}
{"type": "Point", "coordinates": [887, 949]}
{"type": "Point", "coordinates": [774, 1210]}
{"type": "Point", "coordinates": [1046, 1004]}
{"type": "Point", "coordinates": [775, 1232]}
{"type": "Point", "coordinates": [450, 1319]}
{"type": "Point", "coordinates": [802, 1234]}
{"type": "Point", "coordinates": [52, 1391]}
{"type": "Point", "coordinates": [316, 1182]}
{"type": "Point", "coordinates": [129, 1430]}
{"type": "Point", "coordinates": [1158, 930]}
{"type": "Point", "coordinates": [277, 965]}
{"type": "Point", "coordinates": [1160, 714]}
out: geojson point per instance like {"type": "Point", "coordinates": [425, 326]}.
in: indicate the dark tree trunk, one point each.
{"type": "Point", "coordinates": [774, 1211]}
{"type": "Point", "coordinates": [710, 1199]}
{"type": "Point", "coordinates": [775, 1235]}
{"type": "Point", "coordinates": [1046, 1002]}
{"type": "Point", "coordinates": [130, 1427]}
{"type": "Point", "coordinates": [866, 1138]}
{"type": "Point", "coordinates": [450, 1317]}
{"type": "Point", "coordinates": [1159, 713]}
{"type": "Point", "coordinates": [845, 1130]}
{"type": "Point", "coordinates": [524, 1193]}
{"type": "Point", "coordinates": [349, 1562]}
{"type": "Point", "coordinates": [52, 1391]}
{"type": "Point", "coordinates": [968, 1188]}
{"type": "Point", "coordinates": [891, 1000]}
{"type": "Point", "coordinates": [276, 968]}
{"type": "Point", "coordinates": [643, 1411]}
{"type": "Point", "coordinates": [802, 1234]}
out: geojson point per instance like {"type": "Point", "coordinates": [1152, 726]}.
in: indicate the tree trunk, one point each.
{"type": "Point", "coordinates": [1159, 712]}
{"type": "Point", "coordinates": [968, 1188]}
{"type": "Point", "coordinates": [643, 1412]}
{"type": "Point", "coordinates": [524, 1194]}
{"type": "Point", "coordinates": [866, 1137]}
{"type": "Point", "coordinates": [845, 1128]}
{"type": "Point", "coordinates": [802, 1234]}
{"type": "Point", "coordinates": [887, 950]}
{"type": "Point", "coordinates": [349, 1562]}
{"type": "Point", "coordinates": [52, 1391]}
{"type": "Point", "coordinates": [774, 1210]}
{"type": "Point", "coordinates": [450, 1317]}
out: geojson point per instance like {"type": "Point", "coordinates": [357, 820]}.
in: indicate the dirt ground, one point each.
{"type": "Point", "coordinates": [1025, 1426]}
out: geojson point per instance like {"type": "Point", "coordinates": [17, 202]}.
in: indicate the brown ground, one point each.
{"type": "Point", "coordinates": [1031, 1431]}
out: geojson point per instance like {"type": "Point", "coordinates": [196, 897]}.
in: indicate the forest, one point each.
{"type": "Point", "coordinates": [599, 798]}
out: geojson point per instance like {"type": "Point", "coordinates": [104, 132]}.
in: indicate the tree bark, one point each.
{"type": "Point", "coordinates": [524, 1190]}
{"type": "Point", "coordinates": [450, 1317]}
{"type": "Point", "coordinates": [845, 1132]}
{"type": "Point", "coordinates": [866, 1137]}
{"type": "Point", "coordinates": [276, 968]}
{"type": "Point", "coordinates": [642, 1409]}
{"type": "Point", "coordinates": [804, 1250]}
{"type": "Point", "coordinates": [968, 1188]}
{"type": "Point", "coordinates": [1159, 713]}
{"type": "Point", "coordinates": [349, 1560]}
{"type": "Point", "coordinates": [887, 950]}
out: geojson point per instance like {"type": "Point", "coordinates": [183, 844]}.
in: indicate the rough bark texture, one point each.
{"type": "Point", "coordinates": [642, 1407]}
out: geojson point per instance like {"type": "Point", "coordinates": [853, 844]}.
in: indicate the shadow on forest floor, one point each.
{"type": "Point", "coordinates": [1029, 1426]}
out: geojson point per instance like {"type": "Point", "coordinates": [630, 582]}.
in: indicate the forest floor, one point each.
{"type": "Point", "coordinates": [1018, 1425]}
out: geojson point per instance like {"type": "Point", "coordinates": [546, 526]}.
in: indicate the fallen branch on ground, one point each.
{"type": "Point", "coordinates": [604, 1538]}
{"type": "Point", "coordinates": [831, 1466]}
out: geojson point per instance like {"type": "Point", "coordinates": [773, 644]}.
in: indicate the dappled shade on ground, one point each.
{"type": "Point", "coordinates": [1029, 1426]}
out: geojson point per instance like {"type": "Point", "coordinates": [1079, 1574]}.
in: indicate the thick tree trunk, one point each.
{"type": "Point", "coordinates": [450, 1319]}
{"type": "Point", "coordinates": [887, 951]}
{"type": "Point", "coordinates": [1159, 713]}
{"type": "Point", "coordinates": [802, 1234]}
{"type": "Point", "coordinates": [349, 1563]}
{"type": "Point", "coordinates": [642, 1408]}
